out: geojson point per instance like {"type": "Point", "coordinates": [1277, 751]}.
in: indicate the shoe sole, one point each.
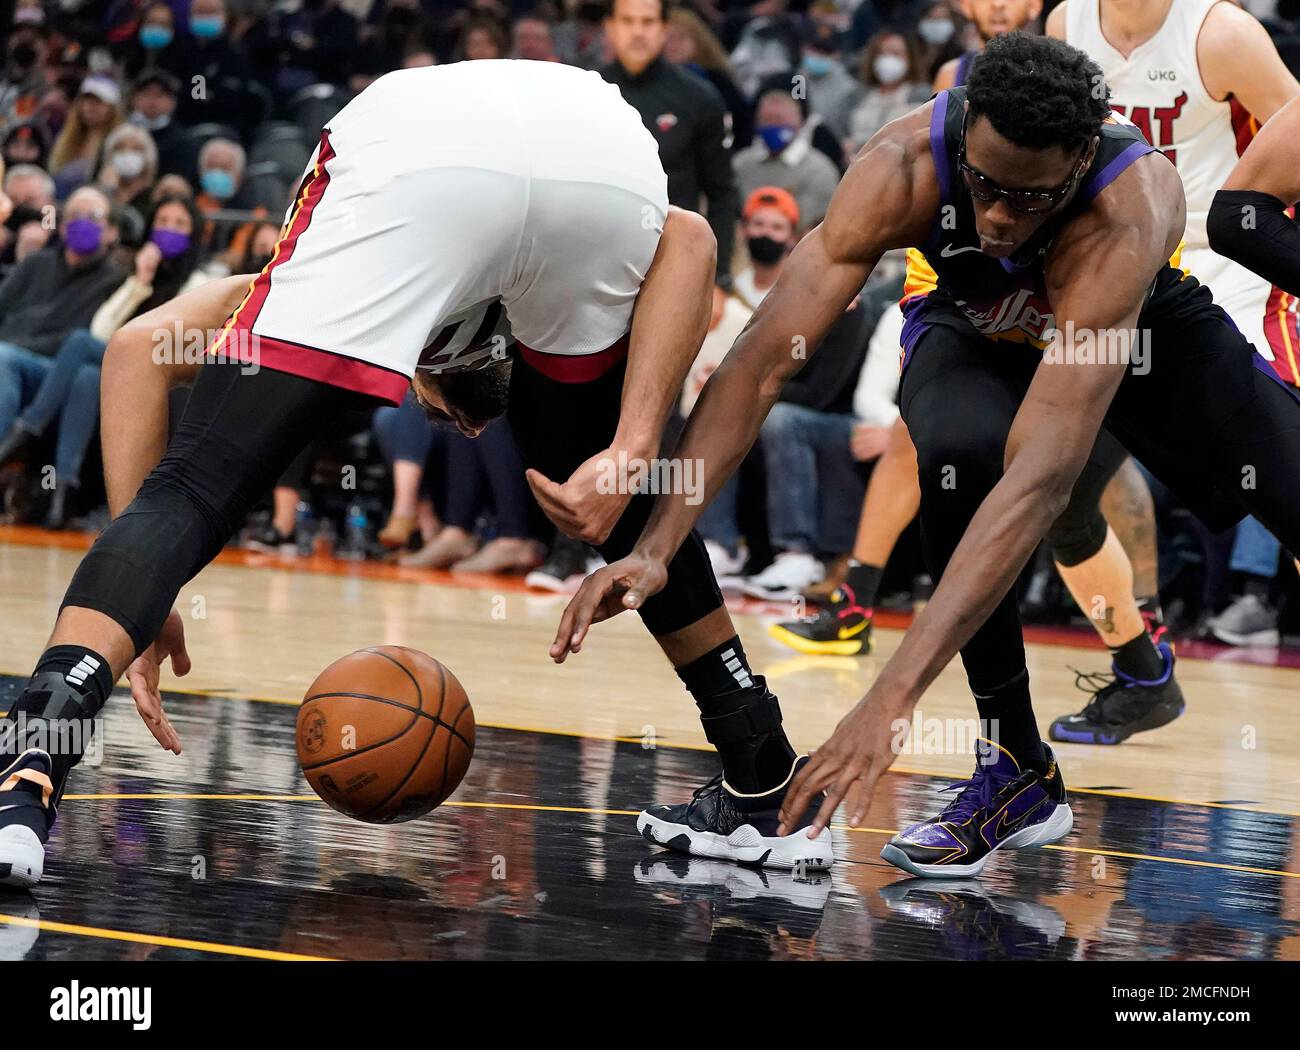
{"type": "Point", "coordinates": [851, 647]}
{"type": "Point", "coordinates": [1159, 716]}
{"type": "Point", "coordinates": [796, 852]}
{"type": "Point", "coordinates": [1055, 827]}
{"type": "Point", "coordinates": [22, 857]}
{"type": "Point", "coordinates": [1269, 639]}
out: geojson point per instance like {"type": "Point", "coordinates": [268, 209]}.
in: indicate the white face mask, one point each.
{"type": "Point", "coordinates": [127, 163]}
{"type": "Point", "coordinates": [889, 69]}
{"type": "Point", "coordinates": [150, 123]}
{"type": "Point", "coordinates": [936, 30]}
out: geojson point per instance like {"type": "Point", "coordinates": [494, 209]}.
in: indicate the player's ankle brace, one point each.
{"type": "Point", "coordinates": [56, 711]}
{"type": "Point", "coordinates": [745, 727]}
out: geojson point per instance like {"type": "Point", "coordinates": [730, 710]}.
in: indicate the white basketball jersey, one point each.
{"type": "Point", "coordinates": [1159, 88]}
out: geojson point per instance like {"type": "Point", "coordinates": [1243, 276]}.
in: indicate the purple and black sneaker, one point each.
{"type": "Point", "coordinates": [1000, 807]}
{"type": "Point", "coordinates": [1121, 706]}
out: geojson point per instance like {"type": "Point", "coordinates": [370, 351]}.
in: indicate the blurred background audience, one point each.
{"type": "Point", "coordinates": [149, 145]}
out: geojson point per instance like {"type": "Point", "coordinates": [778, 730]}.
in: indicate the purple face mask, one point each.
{"type": "Point", "coordinates": [170, 242]}
{"type": "Point", "coordinates": [83, 236]}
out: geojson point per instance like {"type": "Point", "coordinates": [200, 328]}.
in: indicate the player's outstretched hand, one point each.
{"type": "Point", "coordinates": [625, 584]}
{"type": "Point", "coordinates": [142, 676]}
{"type": "Point", "coordinates": [862, 747]}
{"type": "Point", "coordinates": [589, 504]}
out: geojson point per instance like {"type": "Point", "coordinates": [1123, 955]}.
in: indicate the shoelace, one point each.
{"type": "Point", "coordinates": [976, 794]}
{"type": "Point", "coordinates": [1102, 686]}
{"type": "Point", "coordinates": [707, 788]}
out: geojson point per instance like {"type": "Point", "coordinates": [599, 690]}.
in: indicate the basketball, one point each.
{"type": "Point", "coordinates": [385, 734]}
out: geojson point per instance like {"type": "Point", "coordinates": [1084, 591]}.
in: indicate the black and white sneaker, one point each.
{"type": "Point", "coordinates": [721, 823]}
{"type": "Point", "coordinates": [269, 540]}
{"type": "Point", "coordinates": [26, 813]}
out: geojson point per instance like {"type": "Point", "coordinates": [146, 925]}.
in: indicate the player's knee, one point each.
{"type": "Point", "coordinates": [951, 457]}
{"type": "Point", "coordinates": [692, 231]}
{"type": "Point", "coordinates": [1076, 535]}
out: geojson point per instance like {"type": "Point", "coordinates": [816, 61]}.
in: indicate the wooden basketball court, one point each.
{"type": "Point", "coordinates": [1185, 841]}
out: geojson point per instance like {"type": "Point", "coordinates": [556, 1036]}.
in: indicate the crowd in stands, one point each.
{"type": "Point", "coordinates": [151, 145]}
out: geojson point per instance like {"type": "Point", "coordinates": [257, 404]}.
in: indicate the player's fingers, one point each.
{"type": "Point", "coordinates": [860, 796]}
{"type": "Point", "coordinates": [577, 615]}
{"type": "Point", "coordinates": [181, 660]}
{"type": "Point", "coordinates": [801, 791]}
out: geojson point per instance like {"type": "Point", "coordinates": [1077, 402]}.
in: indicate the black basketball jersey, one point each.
{"type": "Point", "coordinates": [950, 281]}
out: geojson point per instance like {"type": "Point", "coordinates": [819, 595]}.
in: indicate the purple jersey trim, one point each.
{"type": "Point", "coordinates": [963, 68]}
{"type": "Point", "coordinates": [1112, 171]}
{"type": "Point", "coordinates": [913, 328]}
{"type": "Point", "coordinates": [939, 145]}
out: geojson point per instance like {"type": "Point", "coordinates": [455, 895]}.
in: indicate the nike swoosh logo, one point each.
{"type": "Point", "coordinates": [852, 632]}
{"type": "Point", "coordinates": [949, 251]}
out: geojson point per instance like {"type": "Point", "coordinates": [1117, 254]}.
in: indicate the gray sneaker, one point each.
{"type": "Point", "coordinates": [1247, 621]}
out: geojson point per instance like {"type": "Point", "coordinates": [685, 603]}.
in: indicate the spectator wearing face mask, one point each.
{"type": "Point", "coordinates": [22, 80]}
{"type": "Point", "coordinates": [155, 44]}
{"type": "Point", "coordinates": [166, 265]}
{"type": "Point", "coordinates": [782, 155]}
{"type": "Point", "coordinates": [216, 69]}
{"type": "Point", "coordinates": [27, 198]}
{"type": "Point", "coordinates": [769, 43]}
{"type": "Point", "coordinates": [894, 86]}
{"type": "Point", "coordinates": [129, 168]}
{"type": "Point", "coordinates": [833, 91]}
{"type": "Point", "coordinates": [153, 108]}
{"type": "Point", "coordinates": [94, 113]}
{"type": "Point", "coordinates": [221, 177]}
{"type": "Point", "coordinates": [939, 36]}
{"type": "Point", "coordinates": [27, 142]}
{"type": "Point", "coordinates": [50, 294]}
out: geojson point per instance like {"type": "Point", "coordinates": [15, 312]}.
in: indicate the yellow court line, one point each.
{"type": "Point", "coordinates": [1120, 854]}
{"type": "Point", "coordinates": [532, 807]}
{"type": "Point", "coordinates": [162, 942]}
{"type": "Point", "coordinates": [662, 743]}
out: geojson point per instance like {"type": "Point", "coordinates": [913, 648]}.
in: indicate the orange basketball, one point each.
{"type": "Point", "coordinates": [385, 734]}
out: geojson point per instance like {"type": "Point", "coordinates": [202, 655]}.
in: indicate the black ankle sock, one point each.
{"type": "Point", "coordinates": [864, 581]}
{"type": "Point", "coordinates": [1007, 718]}
{"type": "Point", "coordinates": [722, 684]}
{"type": "Point", "coordinates": [1139, 659]}
{"type": "Point", "coordinates": [720, 670]}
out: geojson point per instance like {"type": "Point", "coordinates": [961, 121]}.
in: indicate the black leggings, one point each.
{"type": "Point", "coordinates": [1206, 419]}
{"type": "Point", "coordinates": [559, 426]}
{"type": "Point", "coordinates": [238, 434]}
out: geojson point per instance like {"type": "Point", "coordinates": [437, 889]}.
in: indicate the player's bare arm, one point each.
{"type": "Point", "coordinates": [669, 323]}
{"type": "Point", "coordinates": [1238, 59]}
{"type": "Point", "coordinates": [1248, 220]}
{"type": "Point", "coordinates": [887, 199]}
{"type": "Point", "coordinates": [1054, 431]}
{"type": "Point", "coordinates": [134, 385]}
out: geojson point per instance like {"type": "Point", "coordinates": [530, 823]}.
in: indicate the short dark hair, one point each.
{"type": "Point", "coordinates": [1038, 92]}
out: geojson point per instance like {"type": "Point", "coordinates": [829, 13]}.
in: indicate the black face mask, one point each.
{"type": "Point", "coordinates": [22, 56]}
{"type": "Point", "coordinates": [765, 250]}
